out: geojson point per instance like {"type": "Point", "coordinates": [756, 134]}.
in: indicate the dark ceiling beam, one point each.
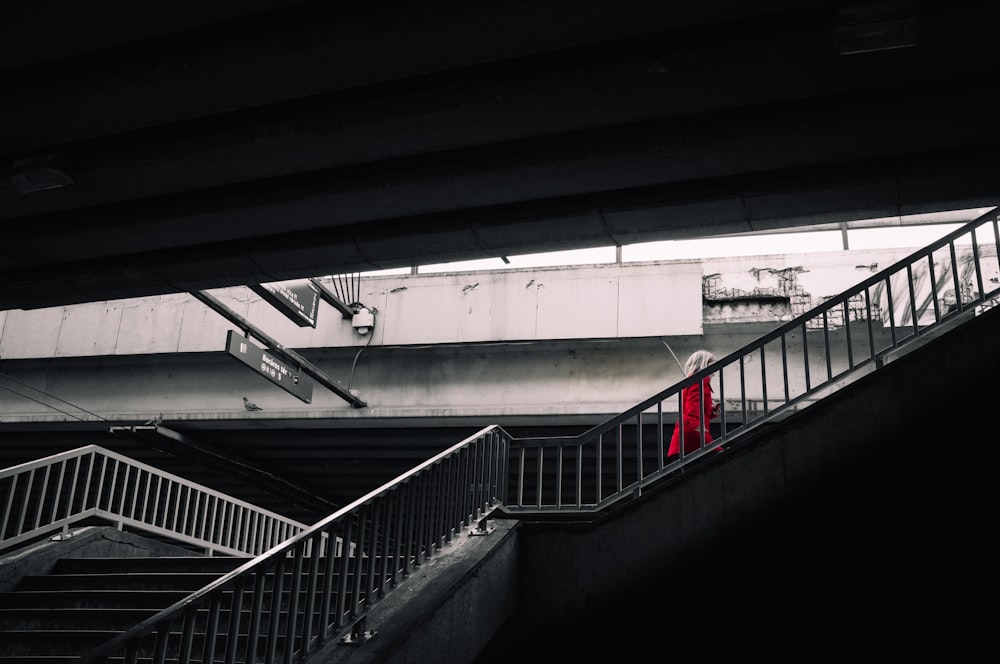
{"type": "Point", "coordinates": [931, 183]}
{"type": "Point", "coordinates": [680, 153]}
{"type": "Point", "coordinates": [300, 50]}
{"type": "Point", "coordinates": [263, 147]}
{"type": "Point", "coordinates": [656, 80]}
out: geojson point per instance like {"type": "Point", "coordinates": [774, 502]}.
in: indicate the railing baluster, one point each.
{"type": "Point", "coordinates": [294, 597]}
{"type": "Point", "coordinates": [256, 611]}
{"type": "Point", "coordinates": [39, 507]}
{"type": "Point", "coordinates": [9, 506]}
{"type": "Point", "coordinates": [520, 476]}
{"type": "Point", "coordinates": [236, 617]}
{"type": "Point", "coordinates": [977, 266]}
{"type": "Point", "coordinates": [600, 470]}
{"type": "Point", "coordinates": [891, 311]}
{"type": "Point", "coordinates": [868, 322]}
{"type": "Point", "coordinates": [559, 475]}
{"type": "Point", "coordinates": [136, 491]}
{"type": "Point", "coordinates": [340, 615]}
{"type": "Point", "coordinates": [956, 278]}
{"type": "Point", "coordinates": [784, 371]}
{"type": "Point", "coordinates": [27, 502]}
{"type": "Point", "coordinates": [935, 300]}
{"type": "Point", "coordinates": [112, 485]}
{"type": "Point", "coordinates": [914, 313]}
{"type": "Point", "coordinates": [312, 583]}
{"type": "Point", "coordinates": [124, 491]}
{"type": "Point", "coordinates": [360, 555]}
{"type": "Point", "coordinates": [409, 510]}
{"type": "Point", "coordinates": [638, 446]}
{"type": "Point", "coordinates": [847, 334]}
{"type": "Point", "coordinates": [538, 471]}
{"type": "Point", "coordinates": [212, 628]}
{"type": "Point", "coordinates": [388, 536]}
{"type": "Point", "coordinates": [187, 636]}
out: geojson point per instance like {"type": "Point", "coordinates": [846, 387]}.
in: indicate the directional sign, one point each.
{"type": "Point", "coordinates": [298, 300]}
{"type": "Point", "coordinates": [276, 370]}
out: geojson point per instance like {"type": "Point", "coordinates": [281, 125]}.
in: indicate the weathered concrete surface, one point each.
{"type": "Point", "coordinates": [446, 611]}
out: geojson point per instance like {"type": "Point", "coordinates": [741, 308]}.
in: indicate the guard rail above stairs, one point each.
{"type": "Point", "coordinates": [91, 483]}
{"type": "Point", "coordinates": [304, 595]}
{"type": "Point", "coordinates": [810, 356]}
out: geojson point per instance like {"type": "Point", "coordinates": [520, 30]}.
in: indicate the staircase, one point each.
{"type": "Point", "coordinates": [83, 602]}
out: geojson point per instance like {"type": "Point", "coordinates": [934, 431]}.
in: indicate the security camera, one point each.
{"type": "Point", "coordinates": [363, 320]}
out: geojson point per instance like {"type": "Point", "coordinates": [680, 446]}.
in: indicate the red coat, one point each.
{"type": "Point", "coordinates": [691, 404]}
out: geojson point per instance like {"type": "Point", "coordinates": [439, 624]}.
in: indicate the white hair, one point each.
{"type": "Point", "coordinates": [698, 361]}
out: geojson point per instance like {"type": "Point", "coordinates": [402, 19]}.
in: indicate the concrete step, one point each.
{"type": "Point", "coordinates": [148, 564]}
{"type": "Point", "coordinates": [12, 620]}
{"type": "Point", "coordinates": [84, 602]}
{"type": "Point", "coordinates": [65, 642]}
{"type": "Point", "coordinates": [49, 642]}
{"type": "Point", "coordinates": [89, 618]}
{"type": "Point", "coordinates": [121, 599]}
{"type": "Point", "coordinates": [189, 581]}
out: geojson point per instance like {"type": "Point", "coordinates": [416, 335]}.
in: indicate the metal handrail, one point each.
{"type": "Point", "coordinates": [54, 493]}
{"type": "Point", "coordinates": [300, 594]}
{"type": "Point", "coordinates": [816, 353]}
{"type": "Point", "coordinates": [296, 597]}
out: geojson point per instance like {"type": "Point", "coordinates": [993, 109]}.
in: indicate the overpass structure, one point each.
{"type": "Point", "coordinates": [813, 505]}
{"type": "Point", "coordinates": [543, 350]}
{"type": "Point", "coordinates": [162, 147]}
{"type": "Point", "coordinates": [574, 342]}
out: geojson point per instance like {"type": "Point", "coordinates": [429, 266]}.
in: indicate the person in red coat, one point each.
{"type": "Point", "coordinates": [697, 407]}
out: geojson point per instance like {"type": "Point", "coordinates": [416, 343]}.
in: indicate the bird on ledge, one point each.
{"type": "Point", "coordinates": [250, 405]}
{"type": "Point", "coordinates": [156, 421]}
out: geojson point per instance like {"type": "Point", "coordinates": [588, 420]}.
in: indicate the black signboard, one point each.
{"type": "Point", "coordinates": [298, 300]}
{"type": "Point", "coordinates": [276, 370]}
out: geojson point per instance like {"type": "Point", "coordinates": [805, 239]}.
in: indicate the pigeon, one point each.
{"type": "Point", "coordinates": [250, 405]}
{"type": "Point", "coordinates": [156, 421]}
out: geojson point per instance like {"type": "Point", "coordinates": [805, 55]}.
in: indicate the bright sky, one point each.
{"type": "Point", "coordinates": [889, 235]}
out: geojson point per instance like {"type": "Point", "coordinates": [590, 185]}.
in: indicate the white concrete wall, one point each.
{"type": "Point", "coordinates": [602, 301]}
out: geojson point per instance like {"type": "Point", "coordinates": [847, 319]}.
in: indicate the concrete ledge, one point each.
{"type": "Point", "coordinates": [447, 610]}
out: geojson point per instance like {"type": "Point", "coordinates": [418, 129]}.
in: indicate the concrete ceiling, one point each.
{"type": "Point", "coordinates": [208, 143]}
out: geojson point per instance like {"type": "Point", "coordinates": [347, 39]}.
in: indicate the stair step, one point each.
{"type": "Point", "coordinates": [54, 641]}
{"type": "Point", "coordinates": [134, 564]}
{"type": "Point", "coordinates": [121, 599]}
{"type": "Point", "coordinates": [125, 599]}
{"type": "Point", "coordinates": [12, 620]}
{"type": "Point", "coordinates": [40, 643]}
{"type": "Point", "coordinates": [80, 618]}
{"type": "Point", "coordinates": [84, 602]}
{"type": "Point", "coordinates": [126, 581]}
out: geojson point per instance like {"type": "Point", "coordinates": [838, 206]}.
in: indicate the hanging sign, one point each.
{"type": "Point", "coordinates": [298, 300]}
{"type": "Point", "coordinates": [286, 376]}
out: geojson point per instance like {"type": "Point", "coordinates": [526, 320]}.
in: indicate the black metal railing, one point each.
{"type": "Point", "coordinates": [816, 353]}
{"type": "Point", "coordinates": [302, 594]}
